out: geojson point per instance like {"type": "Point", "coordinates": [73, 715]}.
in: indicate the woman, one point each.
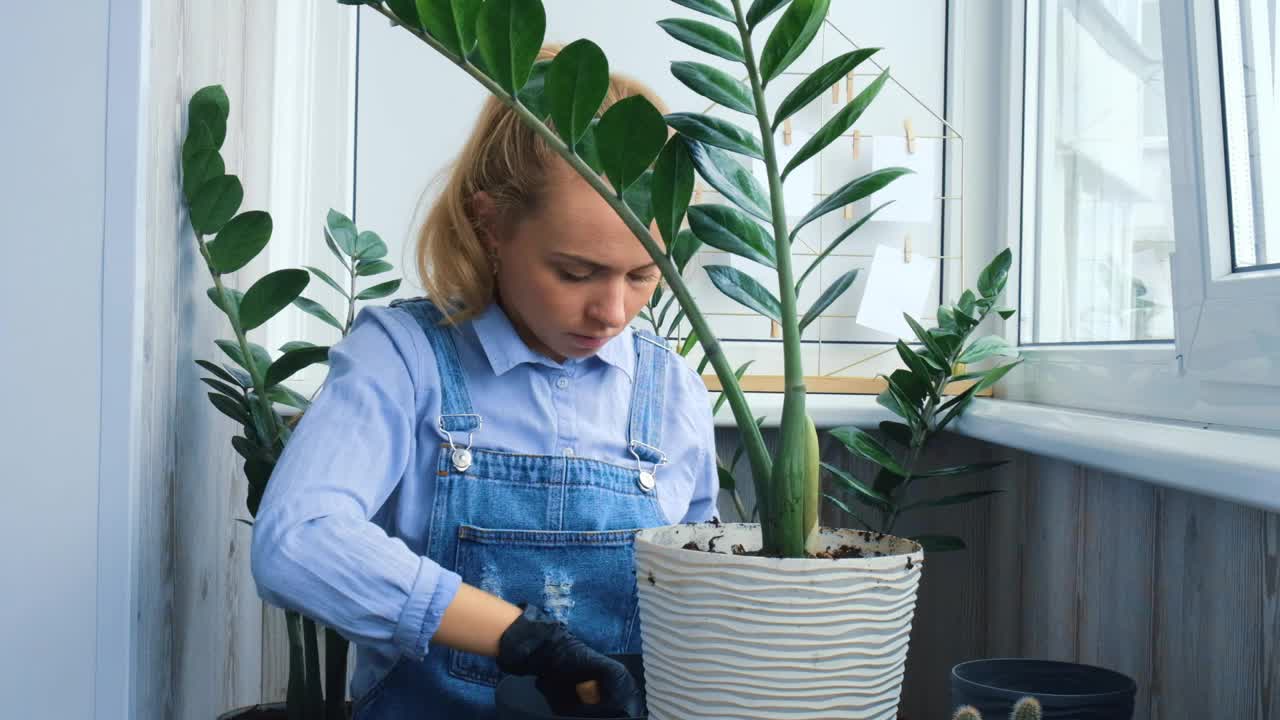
{"type": "Point", "coordinates": [460, 500]}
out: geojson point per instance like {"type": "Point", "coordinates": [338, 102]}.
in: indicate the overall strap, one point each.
{"type": "Point", "coordinates": [456, 411]}
{"type": "Point", "coordinates": [648, 394]}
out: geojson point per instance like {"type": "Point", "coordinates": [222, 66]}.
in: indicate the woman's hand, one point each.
{"type": "Point", "coordinates": [536, 644]}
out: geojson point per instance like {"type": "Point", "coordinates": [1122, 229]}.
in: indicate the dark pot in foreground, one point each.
{"type": "Point", "coordinates": [268, 711]}
{"type": "Point", "coordinates": [518, 698]}
{"type": "Point", "coordinates": [1066, 691]}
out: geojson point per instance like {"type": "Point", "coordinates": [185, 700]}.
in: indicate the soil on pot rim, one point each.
{"type": "Point", "coordinates": [842, 552]}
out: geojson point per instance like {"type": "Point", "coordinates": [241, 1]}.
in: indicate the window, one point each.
{"type": "Point", "coordinates": [1247, 37]}
{"type": "Point", "coordinates": [1096, 254]}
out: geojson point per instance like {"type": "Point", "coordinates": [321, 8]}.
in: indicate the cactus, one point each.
{"type": "Point", "coordinates": [1028, 708]}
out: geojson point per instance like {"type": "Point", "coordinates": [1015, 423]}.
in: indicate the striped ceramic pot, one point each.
{"type": "Point", "coordinates": [732, 635]}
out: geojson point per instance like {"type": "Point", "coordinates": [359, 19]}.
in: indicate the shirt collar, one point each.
{"type": "Point", "coordinates": [505, 349]}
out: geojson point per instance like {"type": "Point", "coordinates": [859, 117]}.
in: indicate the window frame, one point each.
{"type": "Point", "coordinates": [1180, 380]}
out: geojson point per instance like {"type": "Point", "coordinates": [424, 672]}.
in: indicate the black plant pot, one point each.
{"type": "Point", "coordinates": [1066, 691]}
{"type": "Point", "coordinates": [518, 698]}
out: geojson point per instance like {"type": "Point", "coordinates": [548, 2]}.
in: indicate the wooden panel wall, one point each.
{"type": "Point", "coordinates": [1179, 591]}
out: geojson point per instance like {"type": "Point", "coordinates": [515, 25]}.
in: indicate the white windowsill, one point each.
{"type": "Point", "coordinates": [1237, 465]}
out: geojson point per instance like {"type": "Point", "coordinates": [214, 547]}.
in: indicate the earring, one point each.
{"type": "Point", "coordinates": [493, 261]}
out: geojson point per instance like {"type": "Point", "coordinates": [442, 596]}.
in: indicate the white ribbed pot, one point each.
{"type": "Point", "coordinates": [737, 636]}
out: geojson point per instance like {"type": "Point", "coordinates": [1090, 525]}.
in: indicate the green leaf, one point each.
{"type": "Point", "coordinates": [950, 500]}
{"type": "Point", "coordinates": [730, 178]}
{"type": "Point", "coordinates": [847, 510]}
{"type": "Point", "coordinates": [271, 294]}
{"type": "Point", "coordinates": [967, 302]}
{"type": "Point", "coordinates": [995, 375]}
{"type": "Point", "coordinates": [232, 312]}
{"type": "Point", "coordinates": [742, 370]}
{"type": "Point", "coordinates": [230, 408]}
{"type": "Point", "coordinates": [857, 486]}
{"type": "Point", "coordinates": [235, 393]}
{"type": "Point", "coordinates": [342, 231]}
{"type": "Point", "coordinates": [327, 280]}
{"type": "Point", "coordinates": [200, 167]}
{"type": "Point", "coordinates": [215, 203]}
{"type": "Point", "coordinates": [1006, 313]}
{"type": "Point", "coordinates": [727, 481]}
{"type": "Point", "coordinates": [707, 38]}
{"type": "Point", "coordinates": [630, 135]}
{"type": "Point", "coordinates": [296, 345]}
{"type": "Point", "coordinates": [451, 22]}
{"type": "Point", "coordinates": [576, 84]}
{"type": "Point", "coordinates": [714, 131]}
{"type": "Point", "coordinates": [369, 246]}
{"type": "Point", "coordinates": [909, 406]}
{"type": "Point", "coordinates": [939, 354]}
{"type": "Point", "coordinates": [939, 543]}
{"type": "Point", "coordinates": [672, 188]}
{"type": "Point", "coordinates": [247, 448]}
{"type": "Point", "coordinates": [709, 7]}
{"type": "Point", "coordinates": [211, 107]}
{"type": "Point", "coordinates": [380, 290]}
{"type": "Point", "coordinates": [365, 268]}
{"type": "Point", "coordinates": [889, 401]}
{"type": "Point", "coordinates": [744, 288]}
{"type": "Point", "coordinates": [240, 241]}
{"type": "Point", "coordinates": [985, 347]}
{"type": "Point", "coordinates": [854, 191]}
{"type": "Point", "coordinates": [242, 377]}
{"type": "Point", "coordinates": [917, 365]}
{"type": "Point", "coordinates": [761, 9]}
{"type": "Point", "coordinates": [293, 361]}
{"type": "Point", "coordinates": [828, 296]}
{"type": "Point", "coordinates": [733, 231]}
{"type": "Point", "coordinates": [837, 125]}
{"type": "Point", "coordinates": [406, 11]}
{"type": "Point", "coordinates": [791, 36]}
{"type": "Point", "coordinates": [818, 82]}
{"type": "Point", "coordinates": [992, 280]}
{"type": "Point", "coordinates": [533, 94]}
{"type": "Point", "coordinates": [831, 246]}
{"type": "Point", "coordinates": [897, 432]}
{"type": "Point", "coordinates": [639, 197]}
{"type": "Point", "coordinates": [509, 37]}
{"type": "Point", "coordinates": [947, 319]}
{"type": "Point", "coordinates": [716, 85]}
{"type": "Point", "coordinates": [589, 150]}
{"type": "Point", "coordinates": [962, 469]}
{"type": "Point", "coordinates": [913, 386]}
{"type": "Point", "coordinates": [286, 396]}
{"type": "Point", "coordinates": [867, 447]}
{"type": "Point", "coordinates": [219, 372]}
{"type": "Point", "coordinates": [686, 246]}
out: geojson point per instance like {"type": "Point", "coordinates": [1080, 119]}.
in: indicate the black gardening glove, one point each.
{"type": "Point", "coordinates": [537, 644]}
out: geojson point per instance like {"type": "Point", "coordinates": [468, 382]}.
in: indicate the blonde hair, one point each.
{"type": "Point", "coordinates": [509, 162]}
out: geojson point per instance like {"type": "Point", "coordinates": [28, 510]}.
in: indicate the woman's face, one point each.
{"type": "Point", "coordinates": [571, 275]}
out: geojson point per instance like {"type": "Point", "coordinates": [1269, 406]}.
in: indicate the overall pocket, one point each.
{"type": "Point", "coordinates": [585, 579]}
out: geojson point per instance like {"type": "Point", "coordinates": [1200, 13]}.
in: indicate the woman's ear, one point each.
{"type": "Point", "coordinates": [485, 213]}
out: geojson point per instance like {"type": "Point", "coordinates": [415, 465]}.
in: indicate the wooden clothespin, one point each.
{"type": "Point", "coordinates": [775, 330]}
{"type": "Point", "coordinates": [906, 250]}
{"type": "Point", "coordinates": [697, 192]}
{"type": "Point", "coordinates": [786, 131]}
{"type": "Point", "coordinates": [835, 93]}
{"type": "Point", "coordinates": [857, 143]}
{"type": "Point", "coordinates": [911, 136]}
{"type": "Point", "coordinates": [848, 211]}
{"type": "Point", "coordinates": [848, 86]}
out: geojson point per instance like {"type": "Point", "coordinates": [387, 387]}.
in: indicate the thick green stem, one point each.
{"type": "Point", "coordinates": [785, 511]}
{"type": "Point", "coordinates": [757, 453]}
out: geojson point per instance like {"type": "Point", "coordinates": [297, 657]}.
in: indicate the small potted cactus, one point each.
{"type": "Point", "coordinates": [1027, 708]}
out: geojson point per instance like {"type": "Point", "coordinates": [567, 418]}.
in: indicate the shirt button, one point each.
{"type": "Point", "coordinates": [568, 451]}
{"type": "Point", "coordinates": [562, 383]}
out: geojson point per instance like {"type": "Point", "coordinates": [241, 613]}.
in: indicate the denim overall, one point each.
{"type": "Point", "coordinates": [555, 531]}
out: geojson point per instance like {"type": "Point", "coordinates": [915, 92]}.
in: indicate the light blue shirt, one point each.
{"type": "Point", "coordinates": [340, 532]}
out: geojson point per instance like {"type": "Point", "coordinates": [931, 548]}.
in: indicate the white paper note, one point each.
{"type": "Point", "coordinates": [895, 287]}
{"type": "Point", "coordinates": [914, 196]}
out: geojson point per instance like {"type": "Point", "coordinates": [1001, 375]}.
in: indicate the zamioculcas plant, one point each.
{"type": "Point", "coordinates": [627, 156]}
{"type": "Point", "coordinates": [916, 394]}
{"type": "Point", "coordinates": [251, 388]}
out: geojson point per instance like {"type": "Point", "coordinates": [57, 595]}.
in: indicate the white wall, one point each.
{"type": "Point", "coordinates": [52, 141]}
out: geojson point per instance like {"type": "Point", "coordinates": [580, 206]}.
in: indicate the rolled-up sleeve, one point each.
{"type": "Point", "coordinates": [315, 549]}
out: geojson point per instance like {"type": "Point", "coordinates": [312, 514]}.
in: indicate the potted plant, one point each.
{"type": "Point", "coordinates": [825, 629]}
{"type": "Point", "coordinates": [250, 389]}
{"type": "Point", "coordinates": [1062, 690]}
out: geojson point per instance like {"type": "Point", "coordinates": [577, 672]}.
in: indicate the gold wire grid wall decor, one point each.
{"type": "Point", "coordinates": [846, 358]}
